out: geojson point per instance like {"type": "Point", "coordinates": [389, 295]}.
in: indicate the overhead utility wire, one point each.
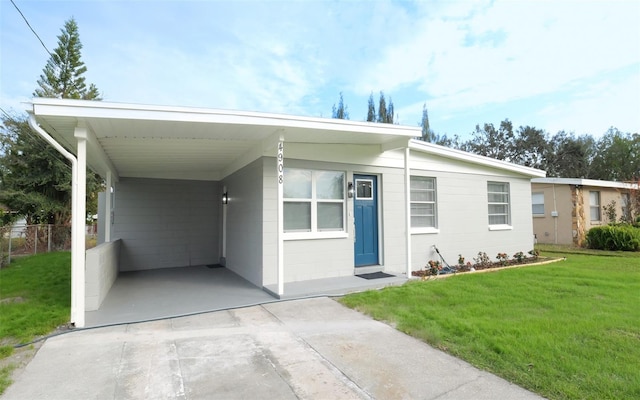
{"type": "Point", "coordinates": [30, 27]}
{"type": "Point", "coordinates": [40, 142]}
{"type": "Point", "coordinates": [39, 39]}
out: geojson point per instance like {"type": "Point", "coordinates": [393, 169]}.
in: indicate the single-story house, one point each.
{"type": "Point", "coordinates": [274, 198]}
{"type": "Point", "coordinates": [564, 209]}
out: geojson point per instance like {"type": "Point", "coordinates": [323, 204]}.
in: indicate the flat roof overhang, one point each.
{"type": "Point", "coordinates": [169, 142]}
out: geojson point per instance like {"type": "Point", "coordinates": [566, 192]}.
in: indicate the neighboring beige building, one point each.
{"type": "Point", "coordinates": [564, 209]}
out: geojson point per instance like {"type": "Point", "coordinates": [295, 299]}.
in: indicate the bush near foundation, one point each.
{"type": "Point", "coordinates": [614, 237]}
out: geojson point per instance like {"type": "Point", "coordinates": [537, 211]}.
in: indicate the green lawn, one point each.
{"type": "Point", "coordinates": [567, 330]}
{"type": "Point", "coordinates": [35, 296]}
{"type": "Point", "coordinates": [36, 292]}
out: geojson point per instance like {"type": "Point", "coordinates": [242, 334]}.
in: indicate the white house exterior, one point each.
{"type": "Point", "coordinates": [304, 198]}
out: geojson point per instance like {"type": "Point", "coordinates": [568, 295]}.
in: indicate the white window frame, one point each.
{"type": "Point", "coordinates": [595, 207]}
{"type": "Point", "coordinates": [314, 232]}
{"type": "Point", "coordinates": [371, 197]}
{"type": "Point", "coordinates": [507, 225]}
{"type": "Point", "coordinates": [426, 229]}
{"type": "Point", "coordinates": [533, 204]}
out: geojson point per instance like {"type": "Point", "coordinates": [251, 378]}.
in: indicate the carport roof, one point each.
{"type": "Point", "coordinates": [170, 142]}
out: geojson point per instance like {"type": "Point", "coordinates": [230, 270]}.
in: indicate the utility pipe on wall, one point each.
{"type": "Point", "coordinates": [407, 207]}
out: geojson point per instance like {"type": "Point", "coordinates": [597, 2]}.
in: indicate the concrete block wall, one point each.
{"type": "Point", "coordinates": [101, 273]}
{"type": "Point", "coordinates": [244, 222]}
{"type": "Point", "coordinates": [166, 223]}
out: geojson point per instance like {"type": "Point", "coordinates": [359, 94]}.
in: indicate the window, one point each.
{"type": "Point", "coordinates": [537, 203]}
{"type": "Point", "coordinates": [313, 200]}
{"type": "Point", "coordinates": [423, 202]}
{"type": "Point", "coordinates": [594, 205]}
{"type": "Point", "coordinates": [625, 200]}
{"type": "Point", "coordinates": [498, 195]}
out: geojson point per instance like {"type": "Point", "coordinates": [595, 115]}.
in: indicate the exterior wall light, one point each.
{"type": "Point", "coordinates": [225, 198]}
{"type": "Point", "coordinates": [350, 190]}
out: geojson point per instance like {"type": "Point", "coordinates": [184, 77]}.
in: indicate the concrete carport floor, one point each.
{"type": "Point", "coordinates": [139, 296]}
{"type": "Point", "coordinates": [168, 292]}
{"type": "Point", "coordinates": [299, 349]}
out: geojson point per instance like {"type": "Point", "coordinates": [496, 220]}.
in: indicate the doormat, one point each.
{"type": "Point", "coordinates": [214, 266]}
{"type": "Point", "coordinates": [375, 275]}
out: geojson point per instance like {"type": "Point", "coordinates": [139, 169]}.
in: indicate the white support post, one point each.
{"type": "Point", "coordinates": [280, 233]}
{"type": "Point", "coordinates": [78, 222]}
{"type": "Point", "coordinates": [108, 206]}
{"type": "Point", "coordinates": [78, 216]}
{"type": "Point", "coordinates": [407, 206]}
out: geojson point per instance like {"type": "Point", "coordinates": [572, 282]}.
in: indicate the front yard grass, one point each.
{"type": "Point", "coordinates": [35, 299]}
{"type": "Point", "coordinates": [566, 330]}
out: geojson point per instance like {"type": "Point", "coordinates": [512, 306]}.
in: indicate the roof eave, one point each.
{"type": "Point", "coordinates": [101, 109]}
{"type": "Point", "coordinates": [464, 156]}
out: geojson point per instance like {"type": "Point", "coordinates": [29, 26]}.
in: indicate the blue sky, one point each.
{"type": "Point", "coordinates": [555, 65]}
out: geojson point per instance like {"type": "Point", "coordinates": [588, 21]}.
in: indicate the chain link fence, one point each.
{"type": "Point", "coordinates": [19, 240]}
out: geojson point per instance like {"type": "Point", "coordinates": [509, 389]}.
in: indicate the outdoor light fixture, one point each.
{"type": "Point", "coordinates": [225, 198]}
{"type": "Point", "coordinates": [350, 190]}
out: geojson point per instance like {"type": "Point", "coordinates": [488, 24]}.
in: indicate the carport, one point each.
{"type": "Point", "coordinates": [126, 142]}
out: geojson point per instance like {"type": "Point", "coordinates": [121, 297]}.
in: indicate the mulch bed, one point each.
{"type": "Point", "coordinates": [494, 266]}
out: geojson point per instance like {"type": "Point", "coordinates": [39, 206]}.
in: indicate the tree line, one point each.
{"type": "Point", "coordinates": [614, 156]}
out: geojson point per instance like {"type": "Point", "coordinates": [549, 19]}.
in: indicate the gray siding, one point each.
{"type": "Point", "coordinates": [244, 222]}
{"type": "Point", "coordinates": [323, 258]}
{"type": "Point", "coordinates": [463, 219]}
{"type": "Point", "coordinates": [166, 223]}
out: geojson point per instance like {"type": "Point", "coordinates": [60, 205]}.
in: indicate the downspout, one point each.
{"type": "Point", "coordinates": [77, 251]}
{"type": "Point", "coordinates": [407, 208]}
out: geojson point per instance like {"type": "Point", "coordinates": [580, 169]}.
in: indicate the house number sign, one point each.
{"type": "Point", "coordinates": [280, 163]}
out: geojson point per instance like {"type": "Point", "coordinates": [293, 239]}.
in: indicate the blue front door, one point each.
{"type": "Point", "coordinates": [365, 213]}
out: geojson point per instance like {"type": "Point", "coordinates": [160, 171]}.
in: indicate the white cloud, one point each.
{"type": "Point", "coordinates": [611, 102]}
{"type": "Point", "coordinates": [509, 50]}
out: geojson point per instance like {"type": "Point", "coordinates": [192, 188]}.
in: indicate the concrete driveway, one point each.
{"type": "Point", "coordinates": [301, 349]}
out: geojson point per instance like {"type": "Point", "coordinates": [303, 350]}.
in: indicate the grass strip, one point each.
{"type": "Point", "coordinates": [567, 330]}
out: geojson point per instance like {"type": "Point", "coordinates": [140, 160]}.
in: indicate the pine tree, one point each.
{"type": "Point", "coordinates": [371, 110]}
{"type": "Point", "coordinates": [63, 74]}
{"type": "Point", "coordinates": [340, 112]}
{"type": "Point", "coordinates": [35, 180]}
{"type": "Point", "coordinates": [382, 109]}
{"type": "Point", "coordinates": [427, 134]}
{"type": "Point", "coordinates": [390, 112]}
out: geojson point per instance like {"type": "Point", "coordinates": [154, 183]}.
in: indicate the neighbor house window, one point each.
{"type": "Point", "coordinates": [313, 200]}
{"type": "Point", "coordinates": [498, 195]}
{"type": "Point", "coordinates": [537, 203]}
{"type": "Point", "coordinates": [423, 202]}
{"type": "Point", "coordinates": [625, 200]}
{"type": "Point", "coordinates": [594, 205]}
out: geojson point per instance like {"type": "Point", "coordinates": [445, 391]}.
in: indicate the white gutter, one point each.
{"type": "Point", "coordinates": [77, 230]}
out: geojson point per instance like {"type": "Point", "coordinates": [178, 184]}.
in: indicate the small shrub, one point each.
{"type": "Point", "coordinates": [483, 259]}
{"type": "Point", "coordinates": [434, 267]}
{"type": "Point", "coordinates": [519, 257]}
{"type": "Point", "coordinates": [502, 258]}
{"type": "Point", "coordinates": [610, 211]}
{"type": "Point", "coordinates": [614, 237]}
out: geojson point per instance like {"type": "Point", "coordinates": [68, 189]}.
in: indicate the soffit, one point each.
{"type": "Point", "coordinates": [187, 143]}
